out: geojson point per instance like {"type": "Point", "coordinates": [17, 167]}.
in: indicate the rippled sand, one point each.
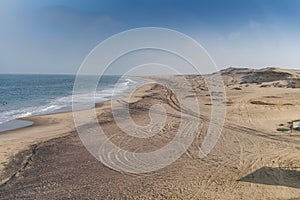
{"type": "Point", "coordinates": [251, 160]}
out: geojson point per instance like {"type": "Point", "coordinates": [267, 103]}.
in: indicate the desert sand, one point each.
{"type": "Point", "coordinates": [256, 157]}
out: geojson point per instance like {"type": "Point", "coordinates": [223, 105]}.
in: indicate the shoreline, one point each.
{"type": "Point", "coordinates": [15, 124]}
{"type": "Point", "coordinates": [22, 122]}
{"type": "Point", "coordinates": [46, 127]}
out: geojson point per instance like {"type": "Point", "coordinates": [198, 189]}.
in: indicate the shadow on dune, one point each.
{"type": "Point", "coordinates": [274, 176]}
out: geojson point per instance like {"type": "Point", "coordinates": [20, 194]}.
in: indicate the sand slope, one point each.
{"type": "Point", "coordinates": [252, 160]}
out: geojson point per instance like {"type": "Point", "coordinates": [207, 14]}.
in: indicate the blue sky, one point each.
{"type": "Point", "coordinates": [52, 36]}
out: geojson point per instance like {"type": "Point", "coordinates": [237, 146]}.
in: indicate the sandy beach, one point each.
{"type": "Point", "coordinates": [255, 157]}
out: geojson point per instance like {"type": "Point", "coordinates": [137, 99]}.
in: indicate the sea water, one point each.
{"type": "Point", "coordinates": [31, 95]}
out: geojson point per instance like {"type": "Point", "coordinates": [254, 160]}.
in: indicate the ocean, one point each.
{"type": "Point", "coordinates": [31, 95]}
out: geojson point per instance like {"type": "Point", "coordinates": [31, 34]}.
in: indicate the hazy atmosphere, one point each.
{"type": "Point", "coordinates": [150, 99]}
{"type": "Point", "coordinates": [54, 36]}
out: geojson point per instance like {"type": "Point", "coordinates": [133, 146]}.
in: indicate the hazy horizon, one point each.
{"type": "Point", "coordinates": [54, 37]}
{"type": "Point", "coordinates": [73, 74]}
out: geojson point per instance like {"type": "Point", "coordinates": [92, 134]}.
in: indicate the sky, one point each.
{"type": "Point", "coordinates": [54, 36]}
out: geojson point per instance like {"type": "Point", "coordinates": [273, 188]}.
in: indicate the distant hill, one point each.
{"type": "Point", "coordinates": [267, 77]}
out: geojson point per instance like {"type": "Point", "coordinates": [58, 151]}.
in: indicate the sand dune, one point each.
{"type": "Point", "coordinates": [252, 158]}
{"type": "Point", "coordinates": [270, 76]}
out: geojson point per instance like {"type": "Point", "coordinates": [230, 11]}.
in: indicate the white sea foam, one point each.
{"type": "Point", "coordinates": [64, 103]}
